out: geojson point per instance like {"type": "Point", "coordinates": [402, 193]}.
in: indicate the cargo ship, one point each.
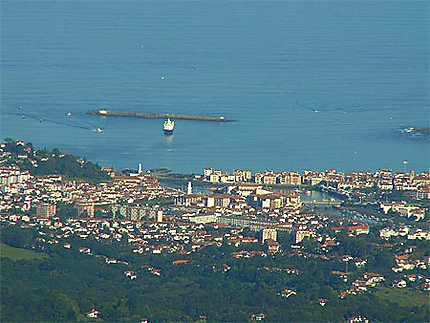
{"type": "Point", "coordinates": [168, 126]}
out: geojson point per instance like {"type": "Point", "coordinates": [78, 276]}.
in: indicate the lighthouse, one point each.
{"type": "Point", "coordinates": [190, 188]}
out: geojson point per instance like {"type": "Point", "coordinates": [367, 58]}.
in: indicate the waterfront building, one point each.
{"type": "Point", "coordinates": [384, 179]}
{"type": "Point", "coordinates": [207, 171]}
{"type": "Point", "coordinates": [246, 189]}
{"type": "Point", "coordinates": [334, 176]}
{"type": "Point", "coordinates": [213, 178]}
{"type": "Point", "coordinates": [422, 179]}
{"type": "Point", "coordinates": [312, 177]}
{"type": "Point", "coordinates": [242, 175]}
{"type": "Point", "coordinates": [270, 179]}
{"type": "Point", "coordinates": [290, 178]}
{"type": "Point", "coordinates": [258, 177]}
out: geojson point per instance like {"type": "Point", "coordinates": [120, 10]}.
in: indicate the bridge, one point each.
{"type": "Point", "coordinates": [322, 203]}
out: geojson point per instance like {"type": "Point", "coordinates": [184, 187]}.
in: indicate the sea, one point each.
{"type": "Point", "coordinates": [310, 84]}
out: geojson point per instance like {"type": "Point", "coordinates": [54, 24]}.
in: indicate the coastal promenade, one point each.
{"type": "Point", "coordinates": [150, 115]}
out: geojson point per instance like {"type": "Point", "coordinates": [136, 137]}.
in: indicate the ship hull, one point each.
{"type": "Point", "coordinates": [168, 132]}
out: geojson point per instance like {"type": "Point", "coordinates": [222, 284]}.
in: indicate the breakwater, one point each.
{"type": "Point", "coordinates": [412, 130]}
{"type": "Point", "coordinates": [421, 129]}
{"type": "Point", "coordinates": [146, 115]}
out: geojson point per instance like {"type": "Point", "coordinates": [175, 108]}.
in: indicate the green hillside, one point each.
{"type": "Point", "coordinates": [19, 254]}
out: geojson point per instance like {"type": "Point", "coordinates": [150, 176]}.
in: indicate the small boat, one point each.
{"type": "Point", "coordinates": [99, 130]}
{"type": "Point", "coordinates": [168, 126]}
{"type": "Point", "coordinates": [409, 130]}
{"type": "Point", "coordinates": [41, 119]}
{"type": "Point", "coordinates": [23, 116]}
{"type": "Point", "coordinates": [69, 114]}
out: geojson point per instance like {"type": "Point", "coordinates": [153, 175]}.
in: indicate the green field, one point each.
{"type": "Point", "coordinates": [404, 297]}
{"type": "Point", "coordinates": [18, 253]}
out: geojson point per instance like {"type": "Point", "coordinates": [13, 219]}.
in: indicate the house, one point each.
{"type": "Point", "coordinates": [359, 229]}
{"type": "Point", "coordinates": [358, 318]}
{"type": "Point", "coordinates": [372, 278]}
{"type": "Point", "coordinates": [272, 246]}
{"type": "Point", "coordinates": [131, 274]}
{"type": "Point", "coordinates": [156, 272]}
{"type": "Point", "coordinates": [93, 313]}
{"type": "Point", "coordinates": [426, 285]}
{"type": "Point", "coordinates": [397, 269]}
{"type": "Point", "coordinates": [360, 263]}
{"type": "Point", "coordinates": [322, 301]}
{"type": "Point", "coordinates": [288, 292]}
{"type": "Point", "coordinates": [400, 283]}
{"type": "Point", "coordinates": [85, 250]}
{"type": "Point", "coordinates": [413, 277]}
{"type": "Point", "coordinates": [258, 317]}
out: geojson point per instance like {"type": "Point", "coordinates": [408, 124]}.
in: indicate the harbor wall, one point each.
{"type": "Point", "coordinates": [146, 115]}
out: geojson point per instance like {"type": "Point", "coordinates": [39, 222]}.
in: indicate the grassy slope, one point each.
{"type": "Point", "coordinates": [403, 297]}
{"type": "Point", "coordinates": [18, 253]}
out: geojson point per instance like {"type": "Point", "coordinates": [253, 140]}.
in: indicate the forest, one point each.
{"type": "Point", "coordinates": [47, 162]}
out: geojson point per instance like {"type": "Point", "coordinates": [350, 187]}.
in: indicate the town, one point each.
{"type": "Point", "coordinates": [339, 218]}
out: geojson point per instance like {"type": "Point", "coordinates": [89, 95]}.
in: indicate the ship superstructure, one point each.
{"type": "Point", "coordinates": [168, 126]}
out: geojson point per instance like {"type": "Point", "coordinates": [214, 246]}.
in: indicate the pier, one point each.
{"type": "Point", "coordinates": [146, 115]}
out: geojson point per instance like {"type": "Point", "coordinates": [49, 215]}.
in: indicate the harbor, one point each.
{"type": "Point", "coordinates": [150, 115]}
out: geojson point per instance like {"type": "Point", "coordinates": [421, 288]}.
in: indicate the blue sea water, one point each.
{"type": "Point", "coordinates": [270, 65]}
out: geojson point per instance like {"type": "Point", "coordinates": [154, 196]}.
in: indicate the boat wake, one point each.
{"type": "Point", "coordinates": [69, 123]}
